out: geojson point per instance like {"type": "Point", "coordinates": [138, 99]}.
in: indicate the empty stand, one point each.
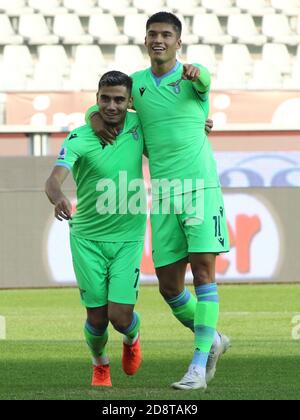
{"type": "Point", "coordinates": [277, 29]}
{"type": "Point", "coordinates": [186, 7]}
{"type": "Point", "coordinates": [220, 7]}
{"type": "Point", "coordinates": [47, 7]}
{"type": "Point", "coordinates": [277, 55]}
{"type": "Point", "coordinates": [104, 29]}
{"type": "Point", "coordinates": [68, 27]}
{"type": "Point", "coordinates": [135, 27]}
{"type": "Point", "coordinates": [35, 31]}
{"type": "Point", "coordinates": [202, 54]}
{"type": "Point", "coordinates": [7, 33]}
{"type": "Point", "coordinates": [117, 7]}
{"type": "Point", "coordinates": [243, 29]}
{"type": "Point", "coordinates": [209, 30]}
{"type": "Point", "coordinates": [255, 7]}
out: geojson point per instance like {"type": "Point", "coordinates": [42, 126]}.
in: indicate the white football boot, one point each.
{"type": "Point", "coordinates": [214, 357]}
{"type": "Point", "coordinates": [191, 380]}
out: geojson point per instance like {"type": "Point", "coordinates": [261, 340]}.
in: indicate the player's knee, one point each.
{"type": "Point", "coordinates": [202, 276]}
{"type": "Point", "coordinates": [120, 322]}
{"type": "Point", "coordinates": [98, 324]}
{"type": "Point", "coordinates": [169, 292]}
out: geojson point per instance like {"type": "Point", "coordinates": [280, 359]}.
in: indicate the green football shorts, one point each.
{"type": "Point", "coordinates": [190, 223]}
{"type": "Point", "coordinates": [106, 271]}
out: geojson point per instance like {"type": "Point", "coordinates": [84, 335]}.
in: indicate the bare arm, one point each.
{"type": "Point", "coordinates": [63, 207]}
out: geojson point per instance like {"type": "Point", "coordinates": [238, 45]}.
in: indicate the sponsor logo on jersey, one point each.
{"type": "Point", "coordinates": [142, 90]}
{"type": "Point", "coordinates": [62, 154]}
{"type": "Point", "coordinates": [73, 136]}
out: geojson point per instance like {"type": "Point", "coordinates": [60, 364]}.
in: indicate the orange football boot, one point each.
{"type": "Point", "coordinates": [132, 357]}
{"type": "Point", "coordinates": [101, 376]}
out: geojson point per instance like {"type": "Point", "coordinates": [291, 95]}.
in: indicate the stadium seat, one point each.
{"type": "Point", "coordinates": [208, 28]}
{"type": "Point", "coordinates": [14, 7]}
{"type": "Point", "coordinates": [129, 59]}
{"type": "Point", "coordinates": [7, 34]}
{"type": "Point", "coordinates": [54, 56]}
{"type": "Point", "coordinates": [243, 29]}
{"type": "Point", "coordinates": [104, 29]}
{"type": "Point", "coordinates": [135, 27]}
{"type": "Point", "coordinates": [149, 7]}
{"type": "Point", "coordinates": [45, 80]}
{"type": "Point", "coordinates": [81, 7]}
{"type": "Point", "coordinates": [238, 55]}
{"type": "Point", "coordinates": [277, 29]}
{"type": "Point", "coordinates": [12, 78]}
{"type": "Point", "coordinates": [278, 56]}
{"type": "Point", "coordinates": [187, 36]}
{"type": "Point", "coordinates": [294, 81]}
{"type": "Point", "coordinates": [287, 7]}
{"type": "Point", "coordinates": [220, 7]}
{"type": "Point", "coordinates": [265, 76]}
{"type": "Point", "coordinates": [298, 26]}
{"type": "Point", "coordinates": [19, 57]}
{"type": "Point", "coordinates": [89, 65]}
{"type": "Point", "coordinates": [202, 54]}
{"type": "Point", "coordinates": [47, 7]}
{"type": "Point", "coordinates": [117, 7]}
{"type": "Point", "coordinates": [35, 30]}
{"type": "Point", "coordinates": [68, 27]}
{"type": "Point", "coordinates": [230, 77]}
{"type": "Point", "coordinates": [255, 7]}
{"type": "Point", "coordinates": [186, 7]}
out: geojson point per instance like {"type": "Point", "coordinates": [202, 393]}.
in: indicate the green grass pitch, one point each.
{"type": "Point", "coordinates": [45, 357]}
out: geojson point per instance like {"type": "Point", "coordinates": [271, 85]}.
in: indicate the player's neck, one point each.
{"type": "Point", "coordinates": [160, 69]}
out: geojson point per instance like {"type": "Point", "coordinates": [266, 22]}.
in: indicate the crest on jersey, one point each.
{"type": "Point", "coordinates": [62, 154]}
{"type": "Point", "coordinates": [176, 86]}
{"type": "Point", "coordinates": [142, 90]}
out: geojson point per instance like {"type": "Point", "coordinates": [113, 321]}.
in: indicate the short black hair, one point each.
{"type": "Point", "coordinates": [166, 17]}
{"type": "Point", "coordinates": [116, 78]}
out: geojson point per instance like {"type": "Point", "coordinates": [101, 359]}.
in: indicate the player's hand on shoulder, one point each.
{"type": "Point", "coordinates": [107, 135]}
{"type": "Point", "coordinates": [190, 72]}
{"type": "Point", "coordinates": [209, 125]}
{"type": "Point", "coordinates": [63, 209]}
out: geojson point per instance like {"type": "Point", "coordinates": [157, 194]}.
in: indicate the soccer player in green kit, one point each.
{"type": "Point", "coordinates": [106, 246]}
{"type": "Point", "coordinates": [172, 101]}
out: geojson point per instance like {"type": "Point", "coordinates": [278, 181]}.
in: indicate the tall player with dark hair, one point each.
{"type": "Point", "coordinates": [172, 101]}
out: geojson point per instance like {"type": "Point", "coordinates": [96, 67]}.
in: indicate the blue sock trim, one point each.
{"type": "Point", "coordinates": [200, 359]}
{"type": "Point", "coordinates": [205, 331]}
{"type": "Point", "coordinates": [208, 288]}
{"type": "Point", "coordinates": [132, 325]}
{"type": "Point", "coordinates": [214, 298]}
{"type": "Point", "coordinates": [179, 300]}
{"type": "Point", "coordinates": [94, 331]}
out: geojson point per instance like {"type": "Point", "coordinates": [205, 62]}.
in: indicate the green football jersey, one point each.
{"type": "Point", "coordinates": [111, 200]}
{"type": "Point", "coordinates": [173, 113]}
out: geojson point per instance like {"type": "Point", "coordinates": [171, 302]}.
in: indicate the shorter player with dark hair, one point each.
{"type": "Point", "coordinates": [106, 246]}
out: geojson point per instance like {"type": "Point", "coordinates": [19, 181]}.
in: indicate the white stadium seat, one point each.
{"type": "Point", "coordinates": [265, 76]}
{"type": "Point", "coordinates": [7, 33]}
{"type": "Point", "coordinates": [230, 77]}
{"type": "Point", "coordinates": [14, 7]}
{"type": "Point", "coordinates": [220, 7]}
{"type": "Point", "coordinates": [186, 7]}
{"type": "Point", "coordinates": [45, 80]}
{"type": "Point", "coordinates": [287, 7]}
{"type": "Point", "coordinates": [149, 7]}
{"type": "Point", "coordinates": [294, 81]}
{"type": "Point", "coordinates": [104, 29]}
{"type": "Point", "coordinates": [278, 56]}
{"type": "Point", "coordinates": [117, 7]}
{"type": "Point", "coordinates": [68, 27]}
{"type": "Point", "coordinates": [47, 7]}
{"type": "Point", "coordinates": [208, 28]}
{"type": "Point", "coordinates": [129, 59]}
{"type": "Point", "coordinates": [277, 29]}
{"type": "Point", "coordinates": [80, 7]}
{"type": "Point", "coordinates": [243, 29]}
{"type": "Point", "coordinates": [54, 56]}
{"type": "Point", "coordinates": [187, 36]}
{"type": "Point", "coordinates": [12, 78]}
{"type": "Point", "coordinates": [18, 56]}
{"type": "Point", "coordinates": [238, 55]}
{"type": "Point", "coordinates": [89, 65]}
{"type": "Point", "coordinates": [135, 27]}
{"type": "Point", "coordinates": [202, 54]}
{"type": "Point", "coordinates": [298, 26]}
{"type": "Point", "coordinates": [255, 7]}
{"type": "Point", "coordinates": [35, 30]}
